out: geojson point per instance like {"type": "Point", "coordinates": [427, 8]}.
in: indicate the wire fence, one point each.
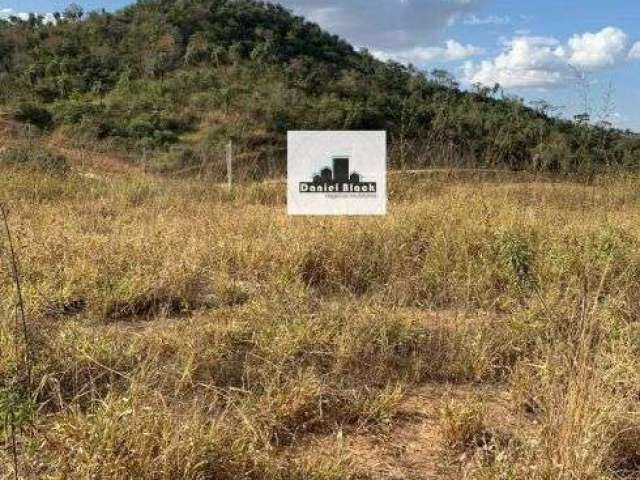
{"type": "Point", "coordinates": [215, 162]}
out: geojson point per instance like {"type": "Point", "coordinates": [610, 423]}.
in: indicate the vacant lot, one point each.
{"type": "Point", "coordinates": [488, 327]}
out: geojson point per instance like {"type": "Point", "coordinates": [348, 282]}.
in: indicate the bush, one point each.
{"type": "Point", "coordinates": [74, 112]}
{"type": "Point", "coordinates": [95, 128]}
{"type": "Point", "coordinates": [162, 130]}
{"type": "Point", "coordinates": [33, 114]}
{"type": "Point", "coordinates": [35, 157]}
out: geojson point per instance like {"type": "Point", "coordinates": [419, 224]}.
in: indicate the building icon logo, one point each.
{"type": "Point", "coordinates": [336, 172]}
{"type": "Point", "coordinates": [338, 180]}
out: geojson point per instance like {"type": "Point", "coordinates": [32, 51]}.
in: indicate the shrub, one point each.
{"type": "Point", "coordinates": [95, 128]}
{"type": "Point", "coordinates": [159, 129]}
{"type": "Point", "coordinates": [74, 112]}
{"type": "Point", "coordinates": [15, 409]}
{"type": "Point", "coordinates": [33, 114]}
{"type": "Point", "coordinates": [515, 251]}
{"type": "Point", "coordinates": [463, 425]}
{"type": "Point", "coordinates": [35, 157]}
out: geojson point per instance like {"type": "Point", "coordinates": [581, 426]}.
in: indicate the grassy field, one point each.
{"type": "Point", "coordinates": [487, 328]}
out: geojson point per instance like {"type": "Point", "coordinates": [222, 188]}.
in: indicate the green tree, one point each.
{"type": "Point", "coordinates": [73, 12]}
{"type": "Point", "coordinates": [198, 50]}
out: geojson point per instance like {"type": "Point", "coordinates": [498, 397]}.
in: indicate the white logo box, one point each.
{"type": "Point", "coordinates": [337, 173]}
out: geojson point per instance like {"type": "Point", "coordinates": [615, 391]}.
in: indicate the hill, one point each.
{"type": "Point", "coordinates": [193, 74]}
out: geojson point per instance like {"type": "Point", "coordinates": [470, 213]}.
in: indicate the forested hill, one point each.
{"type": "Point", "coordinates": [196, 73]}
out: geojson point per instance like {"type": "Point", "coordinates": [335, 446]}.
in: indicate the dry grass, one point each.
{"type": "Point", "coordinates": [182, 331]}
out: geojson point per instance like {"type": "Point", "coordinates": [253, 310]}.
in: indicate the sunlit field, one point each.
{"type": "Point", "coordinates": [488, 327]}
{"type": "Point", "coordinates": [163, 318]}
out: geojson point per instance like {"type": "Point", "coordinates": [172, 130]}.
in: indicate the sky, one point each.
{"type": "Point", "coordinates": [575, 54]}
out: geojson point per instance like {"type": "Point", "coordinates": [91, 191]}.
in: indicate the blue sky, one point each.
{"type": "Point", "coordinates": [536, 49]}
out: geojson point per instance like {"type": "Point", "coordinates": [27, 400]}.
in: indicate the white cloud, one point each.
{"type": "Point", "coordinates": [6, 13]}
{"type": "Point", "coordinates": [634, 53]}
{"type": "Point", "coordinates": [593, 51]}
{"type": "Point", "coordinates": [490, 20]}
{"type": "Point", "coordinates": [542, 62]}
{"type": "Point", "coordinates": [527, 62]}
{"type": "Point", "coordinates": [452, 51]}
{"type": "Point", "coordinates": [10, 12]}
{"type": "Point", "coordinates": [385, 25]}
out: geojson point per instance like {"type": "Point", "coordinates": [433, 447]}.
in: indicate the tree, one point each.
{"type": "Point", "coordinates": [73, 12]}
{"type": "Point", "coordinates": [236, 53]}
{"type": "Point", "coordinates": [263, 53]}
{"type": "Point", "coordinates": [544, 108]}
{"type": "Point", "coordinates": [197, 49]}
{"type": "Point", "coordinates": [582, 118]}
{"type": "Point", "coordinates": [444, 78]}
{"type": "Point", "coordinates": [6, 57]}
{"type": "Point", "coordinates": [162, 56]}
{"type": "Point", "coordinates": [99, 89]}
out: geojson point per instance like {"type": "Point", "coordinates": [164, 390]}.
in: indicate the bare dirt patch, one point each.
{"type": "Point", "coordinates": [93, 162]}
{"type": "Point", "coordinates": [413, 447]}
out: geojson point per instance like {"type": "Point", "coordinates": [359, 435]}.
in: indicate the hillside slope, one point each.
{"type": "Point", "coordinates": [196, 73]}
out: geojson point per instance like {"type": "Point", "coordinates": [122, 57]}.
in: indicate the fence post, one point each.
{"type": "Point", "coordinates": [144, 159]}
{"type": "Point", "coordinates": [229, 164]}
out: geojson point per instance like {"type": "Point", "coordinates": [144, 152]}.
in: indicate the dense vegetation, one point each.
{"type": "Point", "coordinates": [196, 73]}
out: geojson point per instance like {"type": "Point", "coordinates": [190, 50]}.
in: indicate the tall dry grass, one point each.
{"type": "Point", "coordinates": [183, 331]}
